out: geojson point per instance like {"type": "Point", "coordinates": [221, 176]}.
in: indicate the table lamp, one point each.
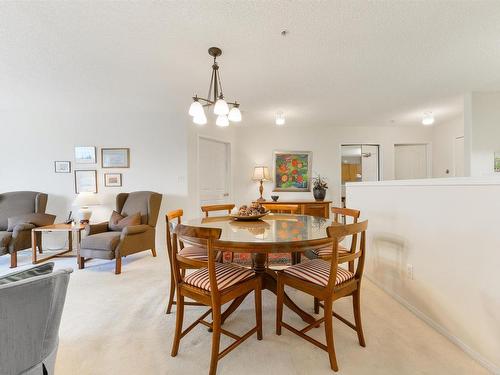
{"type": "Point", "coordinates": [84, 200]}
{"type": "Point", "coordinates": [261, 173]}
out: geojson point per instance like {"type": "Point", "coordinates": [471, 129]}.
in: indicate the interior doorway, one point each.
{"type": "Point", "coordinates": [214, 171]}
{"type": "Point", "coordinates": [411, 161]}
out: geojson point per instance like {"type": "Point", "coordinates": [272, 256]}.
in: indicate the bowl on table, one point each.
{"type": "Point", "coordinates": [275, 198]}
{"type": "Point", "coordinates": [247, 213]}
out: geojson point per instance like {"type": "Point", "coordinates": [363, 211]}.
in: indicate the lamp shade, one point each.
{"type": "Point", "coordinates": [221, 107]}
{"type": "Point", "coordinates": [86, 199]}
{"type": "Point", "coordinates": [234, 114]}
{"type": "Point", "coordinates": [196, 109]}
{"type": "Point", "coordinates": [261, 173]}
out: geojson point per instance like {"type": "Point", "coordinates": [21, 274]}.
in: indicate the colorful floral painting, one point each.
{"type": "Point", "coordinates": [292, 171]}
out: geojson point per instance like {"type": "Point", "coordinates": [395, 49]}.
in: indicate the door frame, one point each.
{"type": "Point", "coordinates": [455, 155]}
{"type": "Point", "coordinates": [428, 154]}
{"type": "Point", "coordinates": [228, 165]}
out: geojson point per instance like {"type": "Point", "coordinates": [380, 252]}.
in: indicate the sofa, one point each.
{"type": "Point", "coordinates": [21, 211]}
{"type": "Point", "coordinates": [103, 241]}
{"type": "Point", "coordinates": [31, 307]}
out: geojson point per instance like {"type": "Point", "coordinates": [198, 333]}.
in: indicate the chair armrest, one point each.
{"type": "Point", "coordinates": [22, 227]}
{"type": "Point", "coordinates": [39, 220]}
{"type": "Point", "coordinates": [134, 229]}
{"type": "Point", "coordinates": [91, 229]}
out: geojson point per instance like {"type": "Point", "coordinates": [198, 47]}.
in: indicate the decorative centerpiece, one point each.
{"type": "Point", "coordinates": [253, 212]}
{"type": "Point", "coordinates": [319, 188]}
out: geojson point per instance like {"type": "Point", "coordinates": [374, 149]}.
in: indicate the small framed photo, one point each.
{"type": "Point", "coordinates": [85, 181]}
{"type": "Point", "coordinates": [112, 179]}
{"type": "Point", "coordinates": [115, 157]}
{"type": "Point", "coordinates": [85, 155]}
{"type": "Point", "coordinates": [62, 166]}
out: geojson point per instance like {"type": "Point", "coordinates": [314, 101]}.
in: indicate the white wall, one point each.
{"type": "Point", "coordinates": [255, 147]}
{"type": "Point", "coordinates": [448, 230]}
{"type": "Point", "coordinates": [482, 123]}
{"type": "Point", "coordinates": [443, 146]}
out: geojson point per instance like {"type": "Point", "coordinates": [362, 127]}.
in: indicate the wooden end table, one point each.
{"type": "Point", "coordinates": [70, 229]}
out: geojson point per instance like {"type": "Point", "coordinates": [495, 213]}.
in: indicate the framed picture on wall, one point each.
{"type": "Point", "coordinates": [62, 166]}
{"type": "Point", "coordinates": [85, 181]}
{"type": "Point", "coordinates": [292, 171]}
{"type": "Point", "coordinates": [115, 157]}
{"type": "Point", "coordinates": [112, 179]}
{"type": "Point", "coordinates": [85, 155]}
{"type": "Point", "coordinates": [497, 161]}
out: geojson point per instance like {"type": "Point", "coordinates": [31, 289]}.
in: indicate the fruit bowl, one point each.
{"type": "Point", "coordinates": [248, 217]}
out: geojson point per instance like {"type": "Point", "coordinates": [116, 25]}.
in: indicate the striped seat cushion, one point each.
{"type": "Point", "coordinates": [317, 271]}
{"type": "Point", "coordinates": [194, 252]}
{"type": "Point", "coordinates": [326, 252]}
{"type": "Point", "coordinates": [227, 275]}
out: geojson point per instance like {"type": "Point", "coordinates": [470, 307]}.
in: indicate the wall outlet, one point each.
{"type": "Point", "coordinates": [409, 271]}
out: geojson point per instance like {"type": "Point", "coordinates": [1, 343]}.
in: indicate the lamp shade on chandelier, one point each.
{"type": "Point", "coordinates": [215, 98]}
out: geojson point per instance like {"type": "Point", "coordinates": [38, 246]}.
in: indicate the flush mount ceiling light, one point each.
{"type": "Point", "coordinates": [280, 119]}
{"type": "Point", "coordinates": [428, 119]}
{"type": "Point", "coordinates": [215, 98]}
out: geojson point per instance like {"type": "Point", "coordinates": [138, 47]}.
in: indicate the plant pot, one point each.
{"type": "Point", "coordinates": [319, 194]}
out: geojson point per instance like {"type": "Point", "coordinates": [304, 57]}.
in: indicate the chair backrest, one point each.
{"type": "Point", "coordinates": [217, 207]}
{"type": "Point", "coordinates": [281, 208]}
{"type": "Point", "coordinates": [18, 203]}
{"type": "Point", "coordinates": [147, 203]}
{"type": "Point", "coordinates": [31, 312]}
{"type": "Point", "coordinates": [197, 236]}
{"type": "Point", "coordinates": [357, 250]}
{"type": "Point", "coordinates": [340, 215]}
{"type": "Point", "coordinates": [172, 219]}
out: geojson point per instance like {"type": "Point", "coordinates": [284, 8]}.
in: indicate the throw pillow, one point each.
{"type": "Point", "coordinates": [117, 222]}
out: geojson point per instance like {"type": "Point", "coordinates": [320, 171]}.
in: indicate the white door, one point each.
{"type": "Point", "coordinates": [410, 162]}
{"type": "Point", "coordinates": [459, 156]}
{"type": "Point", "coordinates": [213, 171]}
{"type": "Point", "coordinates": [369, 163]}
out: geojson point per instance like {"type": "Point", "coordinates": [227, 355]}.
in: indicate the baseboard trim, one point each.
{"type": "Point", "coordinates": [468, 350]}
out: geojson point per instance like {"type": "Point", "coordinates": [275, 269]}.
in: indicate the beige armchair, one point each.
{"type": "Point", "coordinates": [21, 211]}
{"type": "Point", "coordinates": [104, 243]}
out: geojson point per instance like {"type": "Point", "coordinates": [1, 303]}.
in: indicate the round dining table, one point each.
{"type": "Point", "coordinates": [274, 233]}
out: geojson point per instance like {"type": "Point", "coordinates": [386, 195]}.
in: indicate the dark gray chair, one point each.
{"type": "Point", "coordinates": [21, 211]}
{"type": "Point", "coordinates": [104, 243]}
{"type": "Point", "coordinates": [31, 307]}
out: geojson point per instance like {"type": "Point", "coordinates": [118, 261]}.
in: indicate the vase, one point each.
{"type": "Point", "coordinates": [319, 194]}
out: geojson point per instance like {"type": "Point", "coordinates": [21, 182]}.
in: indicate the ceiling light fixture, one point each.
{"type": "Point", "coordinates": [215, 98]}
{"type": "Point", "coordinates": [280, 119]}
{"type": "Point", "coordinates": [428, 119]}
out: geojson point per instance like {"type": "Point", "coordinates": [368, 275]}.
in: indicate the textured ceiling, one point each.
{"type": "Point", "coordinates": [343, 62]}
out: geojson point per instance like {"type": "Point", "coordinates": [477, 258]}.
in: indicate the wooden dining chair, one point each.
{"type": "Point", "coordinates": [293, 257]}
{"type": "Point", "coordinates": [217, 207]}
{"type": "Point", "coordinates": [213, 285]}
{"type": "Point", "coordinates": [197, 256]}
{"type": "Point", "coordinates": [328, 282]}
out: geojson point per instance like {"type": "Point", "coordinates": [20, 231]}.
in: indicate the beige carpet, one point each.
{"type": "Point", "coordinates": [117, 325]}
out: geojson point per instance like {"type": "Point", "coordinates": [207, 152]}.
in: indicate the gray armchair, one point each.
{"type": "Point", "coordinates": [31, 306]}
{"type": "Point", "coordinates": [104, 243]}
{"type": "Point", "coordinates": [21, 211]}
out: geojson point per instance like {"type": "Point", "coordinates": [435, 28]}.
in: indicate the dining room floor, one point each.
{"type": "Point", "coordinates": [117, 325]}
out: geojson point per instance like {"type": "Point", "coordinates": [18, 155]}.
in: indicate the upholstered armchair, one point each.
{"type": "Point", "coordinates": [106, 241]}
{"type": "Point", "coordinates": [21, 211]}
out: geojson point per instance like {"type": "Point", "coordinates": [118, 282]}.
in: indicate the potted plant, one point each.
{"type": "Point", "coordinates": [319, 188]}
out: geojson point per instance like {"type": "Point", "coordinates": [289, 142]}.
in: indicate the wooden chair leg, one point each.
{"type": "Point", "coordinates": [258, 309]}
{"type": "Point", "coordinates": [153, 250]}
{"type": "Point", "coordinates": [356, 304]}
{"type": "Point", "coordinates": [178, 323]}
{"type": "Point", "coordinates": [81, 263]}
{"type": "Point", "coordinates": [216, 326]}
{"type": "Point", "coordinates": [328, 311]}
{"type": "Point", "coordinates": [13, 260]}
{"type": "Point", "coordinates": [172, 293]}
{"type": "Point", "coordinates": [316, 305]}
{"type": "Point", "coordinates": [118, 267]}
{"type": "Point", "coordinates": [279, 304]}
{"type": "Point", "coordinates": [39, 242]}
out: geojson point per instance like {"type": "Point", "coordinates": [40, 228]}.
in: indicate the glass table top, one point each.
{"type": "Point", "coordinates": [272, 228]}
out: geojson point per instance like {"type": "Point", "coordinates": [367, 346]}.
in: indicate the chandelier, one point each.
{"type": "Point", "coordinates": [215, 98]}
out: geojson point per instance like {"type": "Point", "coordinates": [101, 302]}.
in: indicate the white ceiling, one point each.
{"type": "Point", "coordinates": [343, 62]}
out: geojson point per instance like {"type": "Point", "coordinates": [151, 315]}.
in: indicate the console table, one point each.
{"type": "Point", "coordinates": [307, 207]}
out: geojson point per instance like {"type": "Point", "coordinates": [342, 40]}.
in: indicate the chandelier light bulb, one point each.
{"type": "Point", "coordinates": [200, 119]}
{"type": "Point", "coordinates": [234, 114]}
{"type": "Point", "coordinates": [428, 119]}
{"type": "Point", "coordinates": [222, 121]}
{"type": "Point", "coordinates": [221, 107]}
{"type": "Point", "coordinates": [196, 109]}
{"type": "Point", "coordinates": [280, 119]}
